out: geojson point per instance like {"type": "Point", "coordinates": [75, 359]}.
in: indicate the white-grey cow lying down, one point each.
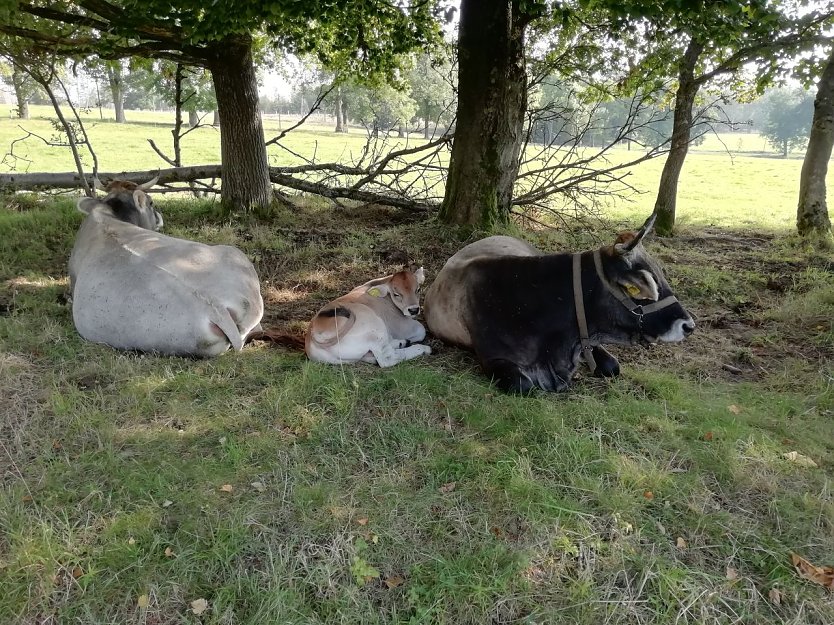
{"type": "Point", "coordinates": [529, 316]}
{"type": "Point", "coordinates": [135, 288]}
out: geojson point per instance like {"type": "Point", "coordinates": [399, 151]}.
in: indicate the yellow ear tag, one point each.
{"type": "Point", "coordinates": [375, 292]}
{"type": "Point", "coordinates": [632, 290]}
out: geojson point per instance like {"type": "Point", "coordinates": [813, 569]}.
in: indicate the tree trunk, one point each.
{"type": "Point", "coordinates": [19, 83]}
{"type": "Point", "coordinates": [114, 78]}
{"type": "Point", "coordinates": [401, 131]}
{"type": "Point", "coordinates": [667, 193]}
{"type": "Point", "coordinates": [338, 110]}
{"type": "Point", "coordinates": [492, 100]}
{"type": "Point", "coordinates": [345, 126]}
{"type": "Point", "coordinates": [215, 121]}
{"type": "Point", "coordinates": [784, 148]}
{"type": "Point", "coordinates": [812, 213]}
{"type": "Point", "coordinates": [246, 182]}
{"type": "Point", "coordinates": [193, 119]}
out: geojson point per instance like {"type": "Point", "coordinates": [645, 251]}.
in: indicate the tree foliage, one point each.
{"type": "Point", "coordinates": [788, 119]}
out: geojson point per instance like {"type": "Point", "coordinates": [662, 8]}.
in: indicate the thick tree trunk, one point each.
{"type": "Point", "coordinates": [19, 83]}
{"type": "Point", "coordinates": [812, 213]}
{"type": "Point", "coordinates": [667, 193]}
{"type": "Point", "coordinates": [114, 78]}
{"type": "Point", "coordinates": [193, 119]}
{"type": "Point", "coordinates": [215, 121]}
{"type": "Point", "coordinates": [492, 99]}
{"type": "Point", "coordinates": [246, 182]}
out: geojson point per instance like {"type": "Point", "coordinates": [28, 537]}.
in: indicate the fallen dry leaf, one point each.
{"type": "Point", "coordinates": [648, 495]}
{"type": "Point", "coordinates": [167, 503]}
{"type": "Point", "coordinates": [775, 596]}
{"type": "Point", "coordinates": [169, 552]}
{"type": "Point", "coordinates": [734, 409]}
{"type": "Point", "coordinates": [226, 488]}
{"type": "Point", "coordinates": [131, 541]}
{"type": "Point", "coordinates": [363, 520]}
{"type": "Point", "coordinates": [394, 581]}
{"type": "Point", "coordinates": [258, 486]}
{"type": "Point", "coordinates": [822, 575]}
{"type": "Point", "coordinates": [708, 436]}
{"type": "Point", "coordinates": [198, 606]}
{"type": "Point", "coordinates": [26, 498]}
{"type": "Point", "coordinates": [143, 601]}
{"type": "Point", "coordinates": [680, 543]}
{"type": "Point", "coordinates": [77, 572]}
{"type": "Point", "coordinates": [798, 458]}
{"type": "Point", "coordinates": [732, 574]}
{"type": "Point", "coordinates": [448, 487]}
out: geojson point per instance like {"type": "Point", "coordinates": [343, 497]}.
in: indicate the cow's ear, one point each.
{"type": "Point", "coordinates": [142, 199]}
{"type": "Point", "coordinates": [420, 274]}
{"type": "Point", "coordinates": [640, 285]}
{"type": "Point", "coordinates": [378, 290]}
{"type": "Point", "coordinates": [87, 204]}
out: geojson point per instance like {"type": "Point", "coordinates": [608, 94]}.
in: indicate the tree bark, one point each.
{"type": "Point", "coordinates": [19, 83]}
{"type": "Point", "coordinates": [114, 78]}
{"type": "Point", "coordinates": [492, 100]}
{"type": "Point", "coordinates": [193, 119]}
{"type": "Point", "coordinates": [246, 182]}
{"type": "Point", "coordinates": [215, 121]}
{"type": "Point", "coordinates": [667, 193]}
{"type": "Point", "coordinates": [812, 213]}
{"type": "Point", "coordinates": [400, 130]}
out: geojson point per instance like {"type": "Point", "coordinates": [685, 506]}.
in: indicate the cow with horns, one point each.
{"type": "Point", "coordinates": [530, 317]}
{"type": "Point", "coordinates": [134, 288]}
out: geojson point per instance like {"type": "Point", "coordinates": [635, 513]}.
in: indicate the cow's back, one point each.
{"type": "Point", "coordinates": [139, 289]}
{"type": "Point", "coordinates": [447, 299]}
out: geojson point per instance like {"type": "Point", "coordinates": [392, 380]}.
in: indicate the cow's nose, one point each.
{"type": "Point", "coordinates": [413, 310]}
{"type": "Point", "coordinates": [688, 327]}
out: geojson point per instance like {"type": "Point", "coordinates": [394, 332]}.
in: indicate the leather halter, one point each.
{"type": "Point", "coordinates": [579, 304]}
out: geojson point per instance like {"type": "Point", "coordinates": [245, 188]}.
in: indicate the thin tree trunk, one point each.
{"type": "Point", "coordinates": [667, 193]}
{"type": "Point", "coordinates": [338, 110]}
{"type": "Point", "coordinates": [215, 121]}
{"type": "Point", "coordinates": [401, 131]}
{"type": "Point", "coordinates": [193, 119]}
{"type": "Point", "coordinates": [492, 100]}
{"type": "Point", "coordinates": [426, 104]}
{"type": "Point", "coordinates": [177, 131]}
{"type": "Point", "coordinates": [114, 78]}
{"type": "Point", "coordinates": [345, 127]}
{"type": "Point", "coordinates": [246, 182]}
{"type": "Point", "coordinates": [784, 148]}
{"type": "Point", "coordinates": [19, 83]}
{"type": "Point", "coordinates": [812, 212]}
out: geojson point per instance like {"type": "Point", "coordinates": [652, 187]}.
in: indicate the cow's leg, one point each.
{"type": "Point", "coordinates": [607, 365]}
{"type": "Point", "coordinates": [415, 332]}
{"type": "Point", "coordinates": [508, 376]}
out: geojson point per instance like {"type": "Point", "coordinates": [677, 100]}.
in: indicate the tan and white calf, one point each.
{"type": "Point", "coordinates": [373, 323]}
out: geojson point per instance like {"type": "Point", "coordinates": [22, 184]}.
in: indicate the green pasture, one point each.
{"type": "Point", "coordinates": [730, 180]}
{"type": "Point", "coordinates": [260, 488]}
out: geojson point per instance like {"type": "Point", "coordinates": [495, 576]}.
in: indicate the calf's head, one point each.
{"type": "Point", "coordinates": [404, 290]}
{"type": "Point", "coordinates": [127, 201]}
{"type": "Point", "coordinates": [649, 308]}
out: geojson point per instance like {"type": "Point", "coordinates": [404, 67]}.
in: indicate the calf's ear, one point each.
{"type": "Point", "coordinates": [87, 204]}
{"type": "Point", "coordinates": [378, 290]}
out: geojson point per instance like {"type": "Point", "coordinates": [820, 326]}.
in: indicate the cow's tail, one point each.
{"type": "Point", "coordinates": [291, 341]}
{"type": "Point", "coordinates": [228, 326]}
{"type": "Point", "coordinates": [331, 325]}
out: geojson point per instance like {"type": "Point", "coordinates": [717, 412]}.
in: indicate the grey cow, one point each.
{"type": "Point", "coordinates": [137, 289]}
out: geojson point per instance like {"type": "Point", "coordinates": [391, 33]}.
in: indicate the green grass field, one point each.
{"type": "Point", "coordinates": [260, 488]}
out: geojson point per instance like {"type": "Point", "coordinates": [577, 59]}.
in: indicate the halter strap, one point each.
{"type": "Point", "coordinates": [619, 294]}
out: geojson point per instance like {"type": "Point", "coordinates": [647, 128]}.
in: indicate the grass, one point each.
{"type": "Point", "coordinates": [729, 180]}
{"type": "Point", "coordinates": [285, 491]}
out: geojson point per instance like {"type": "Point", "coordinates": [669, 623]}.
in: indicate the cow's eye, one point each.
{"type": "Point", "coordinates": [397, 295]}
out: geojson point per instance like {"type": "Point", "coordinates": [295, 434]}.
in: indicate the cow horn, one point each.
{"type": "Point", "coordinates": [97, 184]}
{"type": "Point", "coordinates": [629, 244]}
{"type": "Point", "coordinates": [149, 184]}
